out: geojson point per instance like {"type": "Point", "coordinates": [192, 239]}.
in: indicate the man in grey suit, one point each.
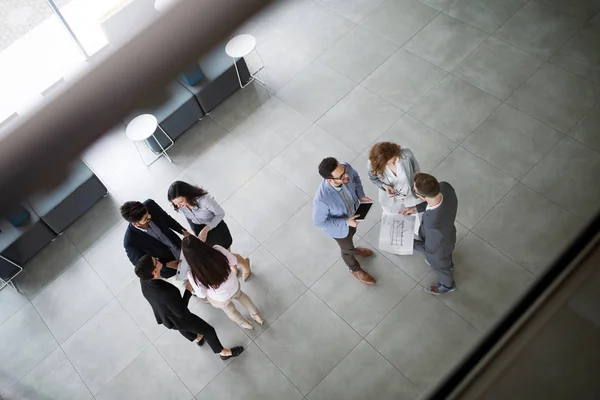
{"type": "Point", "coordinates": [437, 231]}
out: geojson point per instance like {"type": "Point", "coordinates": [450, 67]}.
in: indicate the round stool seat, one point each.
{"type": "Point", "coordinates": [240, 46]}
{"type": "Point", "coordinates": [141, 127]}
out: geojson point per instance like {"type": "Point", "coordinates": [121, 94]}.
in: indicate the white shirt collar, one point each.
{"type": "Point", "coordinates": [436, 206]}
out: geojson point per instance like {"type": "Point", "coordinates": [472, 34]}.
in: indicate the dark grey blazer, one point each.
{"type": "Point", "coordinates": [437, 227]}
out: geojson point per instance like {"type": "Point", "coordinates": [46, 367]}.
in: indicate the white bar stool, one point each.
{"type": "Point", "coordinates": [143, 127]}
{"type": "Point", "coordinates": [239, 47]}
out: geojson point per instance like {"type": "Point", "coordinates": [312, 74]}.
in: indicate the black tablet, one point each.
{"type": "Point", "coordinates": [363, 210]}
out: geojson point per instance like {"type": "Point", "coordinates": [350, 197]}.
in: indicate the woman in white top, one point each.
{"type": "Point", "coordinates": [392, 168]}
{"type": "Point", "coordinates": [205, 217]}
{"type": "Point", "coordinates": [212, 277]}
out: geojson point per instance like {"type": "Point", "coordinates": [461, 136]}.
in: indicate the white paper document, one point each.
{"type": "Point", "coordinates": [396, 235]}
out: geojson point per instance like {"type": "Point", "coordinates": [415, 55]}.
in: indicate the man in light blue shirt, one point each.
{"type": "Point", "coordinates": [335, 205]}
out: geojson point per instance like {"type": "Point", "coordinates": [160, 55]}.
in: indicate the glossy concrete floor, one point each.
{"type": "Point", "coordinates": [499, 98]}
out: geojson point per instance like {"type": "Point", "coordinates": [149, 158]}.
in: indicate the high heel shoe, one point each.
{"type": "Point", "coordinates": [258, 318]}
{"type": "Point", "coordinates": [246, 275]}
{"type": "Point", "coordinates": [247, 325]}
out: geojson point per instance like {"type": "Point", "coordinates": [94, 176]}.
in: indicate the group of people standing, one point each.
{"type": "Point", "coordinates": [204, 262]}
{"type": "Point", "coordinates": [396, 172]}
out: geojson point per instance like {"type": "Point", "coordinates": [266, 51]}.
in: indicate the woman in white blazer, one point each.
{"type": "Point", "coordinates": [391, 168]}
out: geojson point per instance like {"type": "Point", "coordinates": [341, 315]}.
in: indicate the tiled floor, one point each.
{"type": "Point", "coordinates": [500, 98]}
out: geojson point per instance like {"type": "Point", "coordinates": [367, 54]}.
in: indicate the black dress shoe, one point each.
{"type": "Point", "coordinates": [200, 342]}
{"type": "Point", "coordinates": [235, 351]}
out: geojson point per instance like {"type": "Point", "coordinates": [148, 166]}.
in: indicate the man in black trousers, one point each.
{"type": "Point", "coordinates": [437, 231]}
{"type": "Point", "coordinates": [152, 231]}
{"type": "Point", "coordinates": [171, 310]}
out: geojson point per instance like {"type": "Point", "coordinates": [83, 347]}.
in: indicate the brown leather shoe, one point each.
{"type": "Point", "coordinates": [362, 252]}
{"type": "Point", "coordinates": [364, 277]}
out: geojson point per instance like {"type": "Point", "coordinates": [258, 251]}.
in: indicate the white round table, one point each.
{"type": "Point", "coordinates": [142, 128]}
{"type": "Point", "coordinates": [241, 46]}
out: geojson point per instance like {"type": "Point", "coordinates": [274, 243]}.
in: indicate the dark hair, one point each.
{"type": "Point", "coordinates": [191, 193]}
{"type": "Point", "coordinates": [144, 268]}
{"type": "Point", "coordinates": [426, 184]}
{"type": "Point", "coordinates": [327, 166]}
{"type": "Point", "coordinates": [133, 211]}
{"type": "Point", "coordinates": [380, 154]}
{"type": "Point", "coordinates": [209, 266]}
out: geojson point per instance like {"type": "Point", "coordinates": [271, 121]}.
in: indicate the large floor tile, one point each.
{"type": "Point", "coordinates": [364, 374]}
{"type": "Point", "coordinates": [445, 42]}
{"type": "Point", "coordinates": [528, 228]}
{"type": "Point", "coordinates": [195, 141]}
{"type": "Point", "coordinates": [307, 341]}
{"type": "Point", "coordinates": [198, 366]}
{"type": "Point", "coordinates": [72, 299]}
{"type": "Point", "coordinates": [236, 108]}
{"type": "Point", "coordinates": [136, 305]}
{"type": "Point", "coordinates": [583, 9]}
{"type": "Point", "coordinates": [264, 203]}
{"type": "Point", "coordinates": [359, 118]}
{"type": "Point", "coordinates": [581, 54]}
{"type": "Point", "coordinates": [315, 90]}
{"type": "Point", "coordinates": [47, 265]}
{"type": "Point", "coordinates": [413, 265]}
{"type": "Point", "coordinates": [428, 340]}
{"type": "Point", "coordinates": [398, 20]}
{"type": "Point", "coordinates": [272, 288]}
{"type": "Point", "coordinates": [303, 248]}
{"type": "Point", "coordinates": [404, 79]}
{"type": "Point", "coordinates": [243, 242]}
{"type": "Point", "coordinates": [217, 171]}
{"type": "Point", "coordinates": [280, 15]}
{"type": "Point", "coordinates": [253, 377]}
{"type": "Point", "coordinates": [488, 282]}
{"type": "Point", "coordinates": [10, 302]}
{"type": "Point", "coordinates": [147, 377]}
{"type": "Point", "coordinates": [318, 29]}
{"type": "Point", "coordinates": [299, 161]}
{"type": "Point", "coordinates": [95, 223]}
{"type": "Point", "coordinates": [282, 60]}
{"type": "Point", "coordinates": [574, 168]}
{"type": "Point", "coordinates": [105, 345]}
{"type": "Point", "coordinates": [556, 97]}
{"type": "Point", "coordinates": [454, 108]}
{"type": "Point", "coordinates": [358, 53]}
{"type": "Point", "coordinates": [53, 378]}
{"type": "Point", "coordinates": [428, 146]}
{"type": "Point", "coordinates": [479, 186]}
{"type": "Point", "coordinates": [497, 67]}
{"type": "Point", "coordinates": [353, 10]}
{"type": "Point", "coordinates": [512, 141]}
{"type": "Point", "coordinates": [270, 129]}
{"type": "Point", "coordinates": [586, 130]}
{"type": "Point", "coordinates": [109, 260]}
{"type": "Point", "coordinates": [538, 29]}
{"type": "Point", "coordinates": [486, 15]}
{"type": "Point", "coordinates": [363, 306]}
{"type": "Point", "coordinates": [437, 4]}
{"type": "Point", "coordinates": [24, 342]}
{"type": "Point", "coordinates": [596, 19]}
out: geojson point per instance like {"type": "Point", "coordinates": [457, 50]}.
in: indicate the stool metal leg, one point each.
{"type": "Point", "coordinates": [239, 77]}
{"type": "Point", "coordinates": [9, 283]}
{"type": "Point", "coordinates": [164, 151]}
{"type": "Point", "coordinates": [262, 68]}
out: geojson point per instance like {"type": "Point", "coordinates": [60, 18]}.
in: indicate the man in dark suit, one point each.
{"type": "Point", "coordinates": [171, 310]}
{"type": "Point", "coordinates": [150, 231]}
{"type": "Point", "coordinates": [437, 229]}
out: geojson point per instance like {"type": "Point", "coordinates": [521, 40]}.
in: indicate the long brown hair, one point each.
{"type": "Point", "coordinates": [380, 154]}
{"type": "Point", "coordinates": [209, 266]}
{"type": "Point", "coordinates": [190, 193]}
